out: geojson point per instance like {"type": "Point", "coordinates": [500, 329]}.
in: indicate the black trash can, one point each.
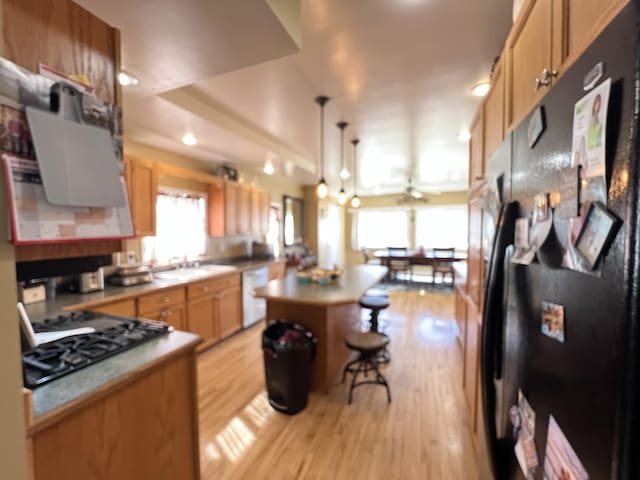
{"type": "Point", "coordinates": [288, 350]}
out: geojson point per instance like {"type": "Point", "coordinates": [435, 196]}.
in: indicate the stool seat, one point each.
{"type": "Point", "coordinates": [374, 303]}
{"type": "Point", "coordinates": [368, 345]}
{"type": "Point", "coordinates": [367, 342]}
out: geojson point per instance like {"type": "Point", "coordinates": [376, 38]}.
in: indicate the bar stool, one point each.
{"type": "Point", "coordinates": [375, 304]}
{"type": "Point", "coordinates": [369, 346]}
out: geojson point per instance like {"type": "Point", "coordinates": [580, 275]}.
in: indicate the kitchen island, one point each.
{"type": "Point", "coordinates": [331, 312]}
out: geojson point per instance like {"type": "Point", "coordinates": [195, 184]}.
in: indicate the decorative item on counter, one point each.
{"type": "Point", "coordinates": [303, 277]}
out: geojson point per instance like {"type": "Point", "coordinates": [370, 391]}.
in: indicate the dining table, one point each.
{"type": "Point", "coordinates": [426, 257]}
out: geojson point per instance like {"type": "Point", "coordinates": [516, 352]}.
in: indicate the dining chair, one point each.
{"type": "Point", "coordinates": [442, 263]}
{"type": "Point", "coordinates": [368, 259]}
{"type": "Point", "coordinates": [400, 265]}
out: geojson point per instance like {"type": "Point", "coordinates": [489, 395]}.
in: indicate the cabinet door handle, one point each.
{"type": "Point", "coordinates": [545, 78]}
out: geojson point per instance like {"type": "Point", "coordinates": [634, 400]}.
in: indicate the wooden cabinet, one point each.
{"type": "Point", "coordinates": [549, 35]}
{"type": "Point", "coordinates": [476, 149]}
{"type": "Point", "coordinates": [529, 50]}
{"type": "Point", "coordinates": [277, 270]}
{"type": "Point", "coordinates": [494, 112]}
{"type": "Point", "coordinates": [142, 186]}
{"type": "Point", "coordinates": [256, 211]}
{"type": "Point", "coordinates": [216, 210]}
{"type": "Point", "coordinates": [144, 426]}
{"type": "Point", "coordinates": [123, 308]}
{"type": "Point", "coordinates": [471, 363]}
{"type": "Point", "coordinates": [200, 318]}
{"type": "Point", "coordinates": [166, 305]}
{"type": "Point", "coordinates": [243, 210]}
{"type": "Point", "coordinates": [461, 315]}
{"type": "Point", "coordinates": [229, 310]}
{"type": "Point", "coordinates": [265, 206]}
{"type": "Point", "coordinates": [474, 260]}
{"type": "Point", "coordinates": [584, 19]}
{"type": "Point", "coordinates": [231, 195]}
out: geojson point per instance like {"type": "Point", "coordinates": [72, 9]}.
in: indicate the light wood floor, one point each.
{"type": "Point", "coordinates": [423, 434]}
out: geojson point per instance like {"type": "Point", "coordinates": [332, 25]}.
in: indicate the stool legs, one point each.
{"type": "Point", "coordinates": [365, 363]}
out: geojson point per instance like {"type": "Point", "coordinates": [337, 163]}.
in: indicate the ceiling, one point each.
{"type": "Point", "coordinates": [242, 78]}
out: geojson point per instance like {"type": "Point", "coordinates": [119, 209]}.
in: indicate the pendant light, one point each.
{"type": "Point", "coordinates": [342, 196]}
{"type": "Point", "coordinates": [322, 189]}
{"type": "Point", "coordinates": [355, 200]}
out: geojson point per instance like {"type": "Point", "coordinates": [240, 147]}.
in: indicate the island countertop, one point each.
{"type": "Point", "coordinates": [348, 288]}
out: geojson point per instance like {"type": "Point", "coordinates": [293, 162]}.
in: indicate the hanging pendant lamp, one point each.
{"type": "Point", "coordinates": [322, 189]}
{"type": "Point", "coordinates": [342, 196]}
{"type": "Point", "coordinates": [355, 200]}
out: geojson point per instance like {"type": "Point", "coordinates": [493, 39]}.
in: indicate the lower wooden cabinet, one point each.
{"type": "Point", "coordinates": [472, 363]}
{"type": "Point", "coordinates": [166, 306]}
{"type": "Point", "coordinates": [175, 315]}
{"type": "Point", "coordinates": [143, 428]}
{"type": "Point", "coordinates": [201, 318]}
{"type": "Point", "coordinates": [229, 311]}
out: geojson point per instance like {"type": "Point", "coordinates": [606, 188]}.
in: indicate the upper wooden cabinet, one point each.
{"type": "Point", "coordinates": [243, 209]}
{"type": "Point", "coordinates": [548, 36]}
{"type": "Point", "coordinates": [237, 209]}
{"type": "Point", "coordinates": [494, 112]}
{"type": "Point", "coordinates": [529, 48]}
{"type": "Point", "coordinates": [476, 149]}
{"type": "Point", "coordinates": [256, 210]}
{"type": "Point", "coordinates": [142, 186]}
{"type": "Point", "coordinates": [265, 205]}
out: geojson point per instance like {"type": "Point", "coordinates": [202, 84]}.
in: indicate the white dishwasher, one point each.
{"type": "Point", "coordinates": [253, 309]}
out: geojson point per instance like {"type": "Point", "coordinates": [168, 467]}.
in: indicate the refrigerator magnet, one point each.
{"type": "Point", "coordinates": [553, 321]}
{"type": "Point", "coordinates": [589, 127]}
{"type": "Point", "coordinates": [561, 461]}
{"type": "Point", "coordinates": [596, 234]}
{"type": "Point", "coordinates": [536, 126]}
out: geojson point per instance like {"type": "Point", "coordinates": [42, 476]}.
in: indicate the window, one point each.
{"type": "Point", "coordinates": [382, 228]}
{"type": "Point", "coordinates": [181, 228]}
{"type": "Point", "coordinates": [442, 226]}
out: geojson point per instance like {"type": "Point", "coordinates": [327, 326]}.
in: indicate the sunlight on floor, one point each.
{"type": "Point", "coordinates": [435, 330]}
{"type": "Point", "coordinates": [259, 410]}
{"type": "Point", "coordinates": [235, 439]}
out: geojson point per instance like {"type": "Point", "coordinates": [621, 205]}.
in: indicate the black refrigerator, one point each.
{"type": "Point", "coordinates": [589, 383]}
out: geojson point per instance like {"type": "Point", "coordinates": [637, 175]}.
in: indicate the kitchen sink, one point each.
{"type": "Point", "coordinates": [193, 273]}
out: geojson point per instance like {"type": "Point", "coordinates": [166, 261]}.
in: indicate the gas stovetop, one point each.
{"type": "Point", "coordinates": [112, 335]}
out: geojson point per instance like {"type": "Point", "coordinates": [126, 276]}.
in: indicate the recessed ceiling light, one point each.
{"type": "Point", "coordinates": [189, 139]}
{"type": "Point", "coordinates": [480, 89]}
{"type": "Point", "coordinates": [268, 167]}
{"type": "Point", "coordinates": [464, 135]}
{"type": "Point", "coordinates": [127, 80]}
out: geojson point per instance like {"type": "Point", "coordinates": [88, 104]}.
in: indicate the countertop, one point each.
{"type": "Point", "coordinates": [67, 301]}
{"type": "Point", "coordinates": [348, 288]}
{"type": "Point", "coordinates": [60, 395]}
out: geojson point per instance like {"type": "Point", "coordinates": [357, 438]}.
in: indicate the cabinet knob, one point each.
{"type": "Point", "coordinates": [545, 78]}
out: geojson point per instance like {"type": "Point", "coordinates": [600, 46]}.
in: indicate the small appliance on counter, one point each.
{"type": "Point", "coordinates": [261, 250]}
{"type": "Point", "coordinates": [131, 274]}
{"type": "Point", "coordinates": [29, 293]}
{"type": "Point", "coordinates": [88, 282]}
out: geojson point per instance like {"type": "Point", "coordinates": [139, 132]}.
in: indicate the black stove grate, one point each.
{"type": "Point", "coordinates": [113, 335]}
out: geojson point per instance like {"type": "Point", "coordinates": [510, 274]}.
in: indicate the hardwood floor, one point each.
{"type": "Point", "coordinates": [423, 434]}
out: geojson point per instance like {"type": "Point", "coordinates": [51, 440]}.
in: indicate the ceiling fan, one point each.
{"type": "Point", "coordinates": [412, 194]}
